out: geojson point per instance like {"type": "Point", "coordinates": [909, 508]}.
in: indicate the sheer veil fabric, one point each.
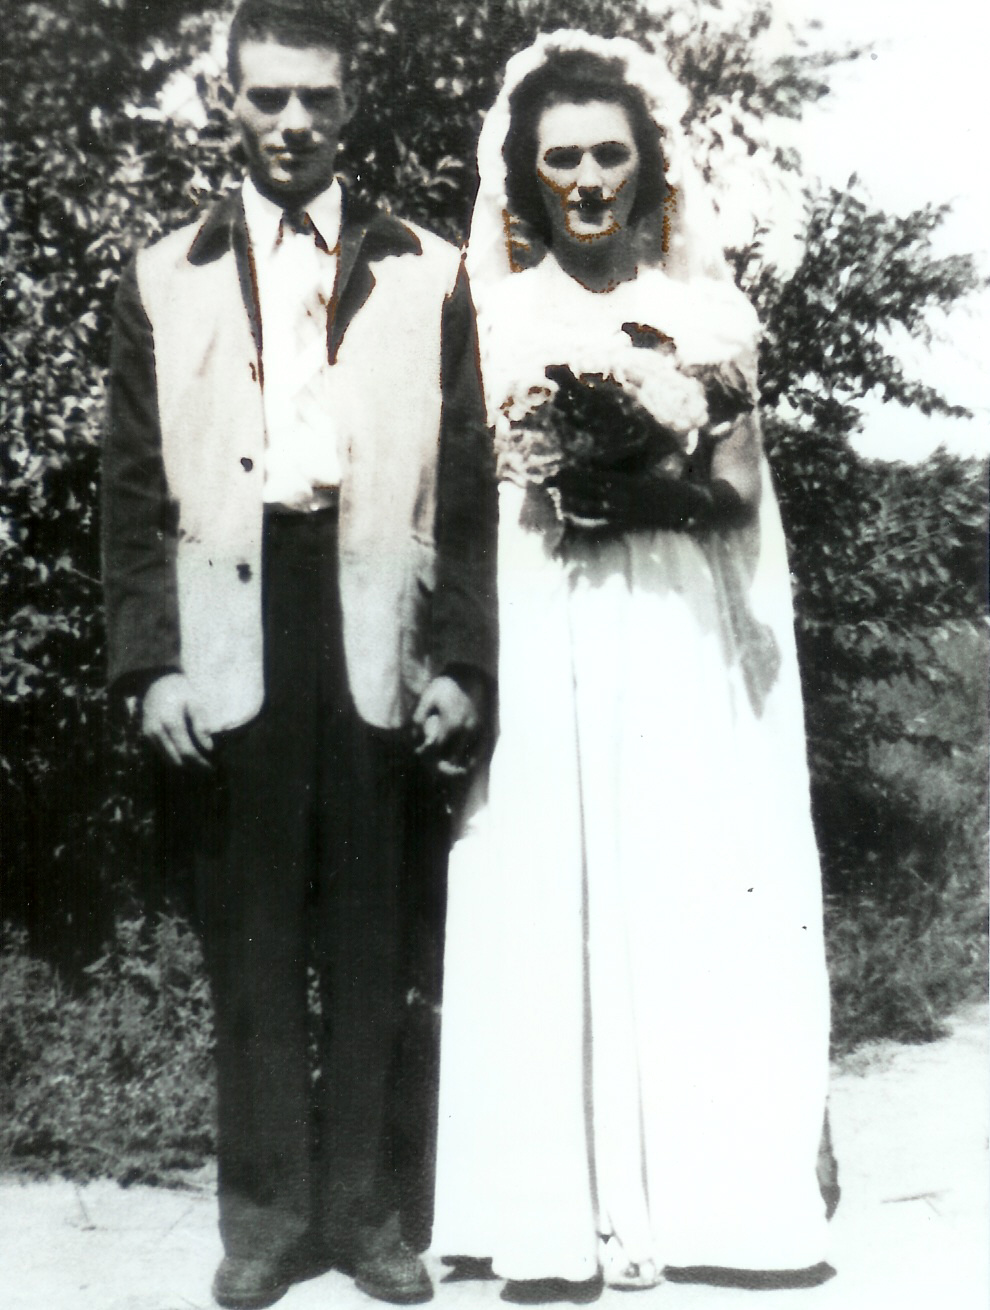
{"type": "Point", "coordinates": [635, 1019]}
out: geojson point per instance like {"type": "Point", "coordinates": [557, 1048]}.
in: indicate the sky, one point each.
{"type": "Point", "coordinates": [912, 119]}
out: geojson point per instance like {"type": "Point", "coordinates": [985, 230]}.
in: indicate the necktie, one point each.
{"type": "Point", "coordinates": [308, 277]}
{"type": "Point", "coordinates": [298, 221]}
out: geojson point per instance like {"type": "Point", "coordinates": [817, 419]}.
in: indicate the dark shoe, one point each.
{"type": "Point", "coordinates": [544, 1291]}
{"type": "Point", "coordinates": [386, 1267]}
{"type": "Point", "coordinates": [249, 1282]}
{"type": "Point", "coordinates": [468, 1268]}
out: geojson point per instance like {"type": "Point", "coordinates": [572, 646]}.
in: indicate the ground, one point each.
{"type": "Point", "coordinates": [911, 1233]}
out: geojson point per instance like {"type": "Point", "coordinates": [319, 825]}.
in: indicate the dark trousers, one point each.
{"type": "Point", "coordinates": [297, 843]}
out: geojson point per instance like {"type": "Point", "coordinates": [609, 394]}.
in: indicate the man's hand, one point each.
{"type": "Point", "coordinates": [173, 723]}
{"type": "Point", "coordinates": [450, 717]}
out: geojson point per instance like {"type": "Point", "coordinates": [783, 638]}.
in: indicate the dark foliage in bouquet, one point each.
{"type": "Point", "coordinates": [595, 424]}
{"type": "Point", "coordinates": [592, 432]}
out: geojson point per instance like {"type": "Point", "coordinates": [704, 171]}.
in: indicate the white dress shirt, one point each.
{"type": "Point", "coordinates": [295, 280]}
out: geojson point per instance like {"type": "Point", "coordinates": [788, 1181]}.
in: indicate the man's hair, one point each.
{"type": "Point", "coordinates": [575, 77]}
{"type": "Point", "coordinates": [300, 23]}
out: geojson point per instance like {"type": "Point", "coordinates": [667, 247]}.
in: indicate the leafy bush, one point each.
{"type": "Point", "coordinates": [116, 1079]}
{"type": "Point", "coordinates": [74, 169]}
{"type": "Point", "coordinates": [889, 567]}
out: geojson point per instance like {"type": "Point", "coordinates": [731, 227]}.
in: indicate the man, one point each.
{"type": "Point", "coordinates": [299, 530]}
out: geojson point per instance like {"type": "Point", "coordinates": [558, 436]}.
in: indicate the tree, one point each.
{"type": "Point", "coordinates": [888, 559]}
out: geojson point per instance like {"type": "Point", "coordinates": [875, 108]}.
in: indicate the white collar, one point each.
{"type": "Point", "coordinates": [264, 216]}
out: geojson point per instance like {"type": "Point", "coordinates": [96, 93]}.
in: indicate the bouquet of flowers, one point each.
{"type": "Point", "coordinates": [638, 411]}
{"type": "Point", "coordinates": [629, 410]}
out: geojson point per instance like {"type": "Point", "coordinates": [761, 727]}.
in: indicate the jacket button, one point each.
{"type": "Point", "coordinates": [247, 464]}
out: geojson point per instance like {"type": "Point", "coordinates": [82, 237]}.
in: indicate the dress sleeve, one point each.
{"type": "Point", "coordinates": [464, 613]}
{"type": "Point", "coordinates": [139, 520]}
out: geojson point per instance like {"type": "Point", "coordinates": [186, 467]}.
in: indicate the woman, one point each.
{"type": "Point", "coordinates": [635, 1033]}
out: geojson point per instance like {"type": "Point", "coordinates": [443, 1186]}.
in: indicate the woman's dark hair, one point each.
{"type": "Point", "coordinates": [301, 23]}
{"type": "Point", "coordinates": [575, 77]}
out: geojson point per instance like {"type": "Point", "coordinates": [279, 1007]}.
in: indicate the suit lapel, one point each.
{"type": "Point", "coordinates": [367, 234]}
{"type": "Point", "coordinates": [355, 280]}
{"type": "Point", "coordinates": [225, 229]}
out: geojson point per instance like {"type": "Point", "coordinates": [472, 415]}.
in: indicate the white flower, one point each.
{"type": "Point", "coordinates": [654, 379]}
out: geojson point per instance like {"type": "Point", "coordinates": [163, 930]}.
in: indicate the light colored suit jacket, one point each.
{"type": "Point", "coordinates": [416, 528]}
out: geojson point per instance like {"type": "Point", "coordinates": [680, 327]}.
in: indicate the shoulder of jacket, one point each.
{"type": "Point", "coordinates": [179, 263]}
{"type": "Point", "coordinates": [210, 235]}
{"type": "Point", "coordinates": [439, 260]}
{"type": "Point", "coordinates": [402, 237]}
{"type": "Point", "coordinates": [172, 248]}
{"type": "Point", "coordinates": [436, 247]}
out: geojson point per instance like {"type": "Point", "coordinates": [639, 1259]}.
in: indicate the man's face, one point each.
{"type": "Point", "coordinates": [588, 167]}
{"type": "Point", "coordinates": [291, 105]}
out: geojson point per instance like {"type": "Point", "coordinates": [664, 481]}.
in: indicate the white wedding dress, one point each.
{"type": "Point", "coordinates": [635, 1024]}
{"type": "Point", "coordinates": [635, 1015]}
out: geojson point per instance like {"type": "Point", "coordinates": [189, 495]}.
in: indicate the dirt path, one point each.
{"type": "Point", "coordinates": [910, 1127]}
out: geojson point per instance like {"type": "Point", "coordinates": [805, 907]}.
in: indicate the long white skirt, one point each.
{"type": "Point", "coordinates": [635, 1015]}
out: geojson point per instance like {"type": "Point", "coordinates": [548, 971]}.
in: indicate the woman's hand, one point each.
{"type": "Point", "coordinates": [728, 392]}
{"type": "Point", "coordinates": [647, 500]}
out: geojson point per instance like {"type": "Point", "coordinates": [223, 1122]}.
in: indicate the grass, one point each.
{"type": "Point", "coordinates": [908, 941]}
{"type": "Point", "coordinates": [893, 978]}
{"type": "Point", "coordinates": [113, 1079]}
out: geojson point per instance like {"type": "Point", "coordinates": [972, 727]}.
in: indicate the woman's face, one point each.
{"type": "Point", "coordinates": [588, 165]}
